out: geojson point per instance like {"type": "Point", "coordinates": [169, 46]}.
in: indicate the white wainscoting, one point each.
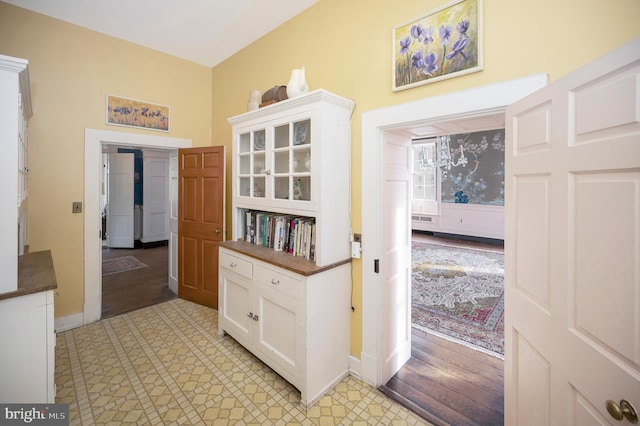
{"type": "Point", "coordinates": [476, 220]}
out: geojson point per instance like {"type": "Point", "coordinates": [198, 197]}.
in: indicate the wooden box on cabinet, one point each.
{"type": "Point", "coordinates": [293, 159]}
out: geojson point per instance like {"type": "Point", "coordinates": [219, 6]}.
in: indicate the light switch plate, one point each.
{"type": "Point", "coordinates": [355, 250]}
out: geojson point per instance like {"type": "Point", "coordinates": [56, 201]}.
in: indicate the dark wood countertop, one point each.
{"type": "Point", "coordinates": [35, 274]}
{"type": "Point", "coordinates": [296, 264]}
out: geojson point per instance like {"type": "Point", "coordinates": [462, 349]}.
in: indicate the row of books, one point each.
{"type": "Point", "coordinates": [280, 232]}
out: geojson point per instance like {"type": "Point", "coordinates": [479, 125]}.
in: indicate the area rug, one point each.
{"type": "Point", "coordinates": [121, 264]}
{"type": "Point", "coordinates": [458, 293]}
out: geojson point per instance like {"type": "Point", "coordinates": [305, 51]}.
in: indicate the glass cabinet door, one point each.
{"type": "Point", "coordinates": [252, 167]}
{"type": "Point", "coordinates": [292, 161]}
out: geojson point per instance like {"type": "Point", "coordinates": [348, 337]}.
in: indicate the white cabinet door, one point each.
{"type": "Point", "coordinates": [274, 162]}
{"type": "Point", "coordinates": [279, 330]}
{"type": "Point", "coordinates": [26, 375]}
{"type": "Point", "coordinates": [235, 307]}
{"type": "Point", "coordinates": [250, 164]}
{"type": "Point", "coordinates": [572, 250]}
{"type": "Point", "coordinates": [120, 201]}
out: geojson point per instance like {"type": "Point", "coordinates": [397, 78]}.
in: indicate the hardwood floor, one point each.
{"type": "Point", "coordinates": [447, 383]}
{"type": "Point", "coordinates": [128, 291]}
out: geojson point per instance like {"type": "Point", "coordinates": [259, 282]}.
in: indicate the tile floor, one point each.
{"type": "Point", "coordinates": [166, 365]}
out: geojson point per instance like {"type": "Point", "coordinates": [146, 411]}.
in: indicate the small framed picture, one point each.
{"type": "Point", "coordinates": [135, 113]}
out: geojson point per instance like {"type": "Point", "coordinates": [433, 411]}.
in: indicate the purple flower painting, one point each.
{"type": "Point", "coordinates": [441, 44]}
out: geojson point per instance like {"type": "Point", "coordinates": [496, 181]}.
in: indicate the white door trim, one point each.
{"type": "Point", "coordinates": [473, 102]}
{"type": "Point", "coordinates": [93, 140]}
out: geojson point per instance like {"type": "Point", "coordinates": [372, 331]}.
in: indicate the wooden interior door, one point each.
{"type": "Point", "coordinates": [572, 248]}
{"type": "Point", "coordinates": [200, 222]}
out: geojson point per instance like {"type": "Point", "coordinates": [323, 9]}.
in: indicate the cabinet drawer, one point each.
{"type": "Point", "coordinates": [278, 281]}
{"type": "Point", "coordinates": [235, 264]}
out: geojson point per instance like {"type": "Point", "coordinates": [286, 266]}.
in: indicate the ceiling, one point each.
{"type": "Point", "coordinates": [202, 31]}
{"type": "Point", "coordinates": [452, 126]}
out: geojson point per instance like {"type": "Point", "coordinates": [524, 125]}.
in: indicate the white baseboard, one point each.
{"type": "Point", "coordinates": [476, 220]}
{"type": "Point", "coordinates": [69, 322]}
{"type": "Point", "coordinates": [369, 369]}
{"type": "Point", "coordinates": [354, 367]}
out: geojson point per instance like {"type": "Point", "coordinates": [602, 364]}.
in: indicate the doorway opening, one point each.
{"type": "Point", "coordinates": [381, 359]}
{"type": "Point", "coordinates": [94, 141]}
{"type": "Point", "coordinates": [442, 381]}
{"type": "Point", "coordinates": [135, 254]}
{"type": "Point", "coordinates": [457, 224]}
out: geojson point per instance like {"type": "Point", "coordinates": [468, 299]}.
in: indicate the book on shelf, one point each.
{"type": "Point", "coordinates": [259, 228]}
{"type": "Point", "coordinates": [248, 226]}
{"type": "Point", "coordinates": [280, 232]}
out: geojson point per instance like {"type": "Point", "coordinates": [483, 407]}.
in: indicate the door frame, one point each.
{"type": "Point", "coordinates": [478, 101]}
{"type": "Point", "coordinates": [93, 141]}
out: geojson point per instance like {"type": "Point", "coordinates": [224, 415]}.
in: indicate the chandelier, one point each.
{"type": "Point", "coordinates": [445, 161]}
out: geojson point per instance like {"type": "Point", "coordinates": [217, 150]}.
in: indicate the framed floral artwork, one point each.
{"type": "Point", "coordinates": [135, 113]}
{"type": "Point", "coordinates": [444, 43]}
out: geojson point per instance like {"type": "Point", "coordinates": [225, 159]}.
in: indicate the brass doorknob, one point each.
{"type": "Point", "coordinates": [622, 411]}
{"type": "Point", "coordinates": [218, 231]}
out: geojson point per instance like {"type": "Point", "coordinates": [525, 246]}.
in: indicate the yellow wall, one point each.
{"type": "Point", "coordinates": [346, 48]}
{"type": "Point", "coordinates": [71, 70]}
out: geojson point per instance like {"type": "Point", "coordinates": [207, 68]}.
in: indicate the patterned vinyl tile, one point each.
{"type": "Point", "coordinates": [166, 365]}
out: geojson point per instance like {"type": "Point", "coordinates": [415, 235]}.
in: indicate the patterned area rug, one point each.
{"type": "Point", "coordinates": [458, 293]}
{"type": "Point", "coordinates": [121, 264]}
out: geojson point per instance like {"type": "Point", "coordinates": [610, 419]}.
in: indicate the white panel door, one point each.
{"type": "Point", "coordinates": [396, 271]}
{"type": "Point", "coordinates": [572, 247]}
{"type": "Point", "coordinates": [155, 197]}
{"type": "Point", "coordinates": [173, 221]}
{"type": "Point", "coordinates": [120, 201]}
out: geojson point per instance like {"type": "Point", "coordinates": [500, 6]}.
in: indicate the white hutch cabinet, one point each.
{"type": "Point", "coordinates": [15, 110]}
{"type": "Point", "coordinates": [27, 280]}
{"type": "Point", "coordinates": [285, 277]}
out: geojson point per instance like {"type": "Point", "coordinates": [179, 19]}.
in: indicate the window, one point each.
{"type": "Point", "coordinates": [425, 179]}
